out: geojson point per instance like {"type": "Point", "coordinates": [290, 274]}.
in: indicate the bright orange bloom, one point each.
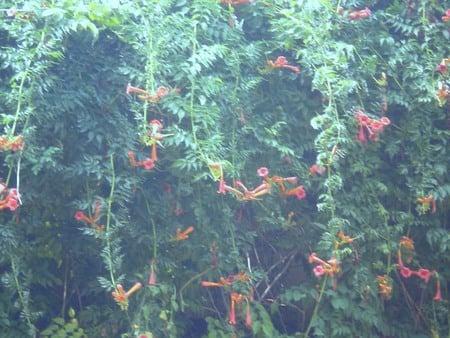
{"type": "Point", "coordinates": [182, 235]}
{"type": "Point", "coordinates": [298, 192]}
{"type": "Point", "coordinates": [80, 216]}
{"type": "Point", "coordinates": [121, 297]}
{"type": "Point", "coordinates": [361, 14]}
{"type": "Point", "coordinates": [407, 243]}
{"type": "Point", "coordinates": [385, 286]}
{"type": "Point", "coordinates": [281, 62]}
{"type": "Point", "coordinates": [427, 201]}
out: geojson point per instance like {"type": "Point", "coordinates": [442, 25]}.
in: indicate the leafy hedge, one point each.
{"type": "Point", "coordinates": [224, 168]}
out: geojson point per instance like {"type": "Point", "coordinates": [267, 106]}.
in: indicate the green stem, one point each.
{"type": "Point", "coordinates": [185, 285]}
{"type": "Point", "coordinates": [316, 308]}
{"type": "Point", "coordinates": [20, 291]}
{"type": "Point", "coordinates": [155, 242]}
{"type": "Point", "coordinates": [108, 222]}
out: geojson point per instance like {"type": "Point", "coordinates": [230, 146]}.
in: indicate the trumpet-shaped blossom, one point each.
{"type": "Point", "coordinates": [9, 198]}
{"type": "Point", "coordinates": [385, 286]}
{"type": "Point", "coordinates": [330, 267]}
{"type": "Point", "coordinates": [369, 127]}
{"type": "Point", "coordinates": [14, 144]}
{"type": "Point", "coordinates": [427, 203]}
{"type": "Point", "coordinates": [446, 17]}
{"type": "Point", "coordinates": [263, 172]}
{"type": "Point", "coordinates": [437, 296]}
{"type": "Point", "coordinates": [315, 169]}
{"type": "Point", "coordinates": [298, 192]}
{"type": "Point", "coordinates": [82, 217]}
{"type": "Point", "coordinates": [182, 235]}
{"type": "Point", "coordinates": [145, 95]}
{"type": "Point", "coordinates": [147, 164]}
{"type": "Point", "coordinates": [152, 276]}
{"type": "Point", "coordinates": [359, 14]}
{"type": "Point", "coordinates": [121, 297]}
{"type": "Point", "coordinates": [425, 274]}
{"type": "Point", "coordinates": [281, 62]}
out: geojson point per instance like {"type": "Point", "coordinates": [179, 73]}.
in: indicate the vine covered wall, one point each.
{"type": "Point", "coordinates": [224, 168]}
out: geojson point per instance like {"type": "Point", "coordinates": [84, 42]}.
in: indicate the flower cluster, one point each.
{"type": "Point", "coordinates": [330, 267]}
{"type": "Point", "coordinates": [369, 126]}
{"type": "Point", "coordinates": [244, 194]}
{"type": "Point", "coordinates": [343, 239]}
{"type": "Point", "coordinates": [442, 87]}
{"type": "Point", "coordinates": [121, 297]}
{"type": "Point", "coordinates": [236, 298]}
{"type": "Point", "coordinates": [281, 62]}
{"type": "Point", "coordinates": [443, 66]}
{"type": "Point", "coordinates": [15, 143]}
{"type": "Point", "coordinates": [427, 203]}
{"type": "Point", "coordinates": [152, 138]}
{"type": "Point", "coordinates": [316, 169]}
{"type": "Point", "coordinates": [93, 221]}
{"type": "Point", "coordinates": [407, 245]}
{"type": "Point", "coordinates": [385, 286]}
{"type": "Point", "coordinates": [9, 198]}
{"type": "Point", "coordinates": [161, 92]}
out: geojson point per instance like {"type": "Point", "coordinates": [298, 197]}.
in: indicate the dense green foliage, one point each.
{"type": "Point", "coordinates": [208, 103]}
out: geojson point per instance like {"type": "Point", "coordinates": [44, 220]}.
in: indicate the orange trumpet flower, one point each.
{"type": "Point", "coordinates": [182, 235]}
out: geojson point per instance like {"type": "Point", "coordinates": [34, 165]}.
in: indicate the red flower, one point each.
{"type": "Point", "coordinates": [446, 17]}
{"type": "Point", "coordinates": [425, 274]}
{"type": "Point", "coordinates": [405, 272]}
{"type": "Point", "coordinates": [148, 164]}
{"type": "Point", "coordinates": [319, 271]}
{"type": "Point", "coordinates": [298, 192]}
{"type": "Point", "coordinates": [263, 172]}
{"type": "Point", "coordinates": [442, 68]}
{"type": "Point", "coordinates": [361, 14]}
{"type": "Point", "coordinates": [79, 215]}
{"type": "Point", "coordinates": [315, 169]}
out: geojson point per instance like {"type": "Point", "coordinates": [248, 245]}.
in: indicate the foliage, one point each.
{"type": "Point", "coordinates": [122, 206]}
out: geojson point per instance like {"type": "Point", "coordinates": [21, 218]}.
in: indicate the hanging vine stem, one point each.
{"type": "Point", "coordinates": [108, 223]}
{"type": "Point", "coordinates": [316, 307]}
{"type": "Point", "coordinates": [20, 292]}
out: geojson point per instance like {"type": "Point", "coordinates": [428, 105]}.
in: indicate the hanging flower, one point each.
{"type": "Point", "coordinates": [446, 17]}
{"type": "Point", "coordinates": [152, 276]}
{"type": "Point", "coordinates": [437, 296]}
{"type": "Point", "coordinates": [425, 274]}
